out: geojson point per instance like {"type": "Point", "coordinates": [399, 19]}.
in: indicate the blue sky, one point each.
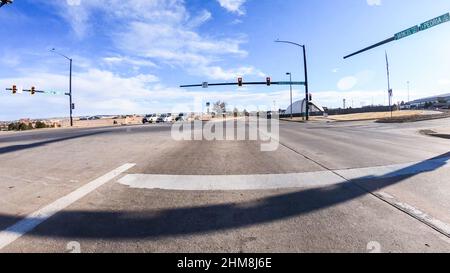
{"type": "Point", "coordinates": [131, 56]}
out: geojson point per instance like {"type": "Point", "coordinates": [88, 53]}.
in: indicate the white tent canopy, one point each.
{"type": "Point", "coordinates": [299, 107]}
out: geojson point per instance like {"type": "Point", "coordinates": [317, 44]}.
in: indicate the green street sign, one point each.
{"type": "Point", "coordinates": [424, 26]}
{"type": "Point", "coordinates": [407, 32]}
{"type": "Point", "coordinates": [434, 22]}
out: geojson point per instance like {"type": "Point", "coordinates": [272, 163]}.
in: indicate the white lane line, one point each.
{"type": "Point", "coordinates": [274, 181]}
{"type": "Point", "coordinates": [436, 224]}
{"type": "Point", "coordinates": [34, 219]}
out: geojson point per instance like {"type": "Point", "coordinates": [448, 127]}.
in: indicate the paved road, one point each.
{"type": "Point", "coordinates": [329, 187]}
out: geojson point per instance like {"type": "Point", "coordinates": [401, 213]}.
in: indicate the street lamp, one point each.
{"type": "Point", "coordinates": [306, 73]}
{"type": "Point", "coordinates": [408, 89]}
{"type": "Point", "coordinates": [290, 83]}
{"type": "Point", "coordinates": [70, 84]}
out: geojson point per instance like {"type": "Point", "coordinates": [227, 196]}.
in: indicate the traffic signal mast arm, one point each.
{"type": "Point", "coordinates": [15, 89]}
{"type": "Point", "coordinates": [243, 83]}
{"type": "Point", "coordinates": [26, 90]}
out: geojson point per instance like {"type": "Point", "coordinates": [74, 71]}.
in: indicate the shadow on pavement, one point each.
{"type": "Point", "coordinates": [196, 220]}
{"type": "Point", "coordinates": [15, 148]}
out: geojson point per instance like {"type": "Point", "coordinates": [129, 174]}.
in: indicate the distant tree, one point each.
{"type": "Point", "coordinates": [428, 104]}
{"type": "Point", "coordinates": [12, 127]}
{"type": "Point", "coordinates": [220, 107]}
{"type": "Point", "coordinates": [40, 125]}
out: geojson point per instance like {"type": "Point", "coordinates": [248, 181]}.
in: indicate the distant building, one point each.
{"type": "Point", "coordinates": [441, 101]}
{"type": "Point", "coordinates": [299, 107]}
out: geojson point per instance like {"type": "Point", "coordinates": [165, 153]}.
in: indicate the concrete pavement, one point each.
{"type": "Point", "coordinates": [344, 175]}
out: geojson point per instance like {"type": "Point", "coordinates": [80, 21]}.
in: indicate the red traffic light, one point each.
{"type": "Point", "coordinates": [240, 81]}
{"type": "Point", "coordinates": [14, 89]}
{"type": "Point", "coordinates": [33, 90]}
{"type": "Point", "coordinates": [268, 81]}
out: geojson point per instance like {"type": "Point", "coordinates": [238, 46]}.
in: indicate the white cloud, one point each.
{"type": "Point", "coordinates": [120, 60]}
{"type": "Point", "coordinates": [159, 31]}
{"type": "Point", "coordinates": [200, 19]}
{"type": "Point", "coordinates": [235, 6]}
{"type": "Point", "coordinates": [374, 2]}
{"type": "Point", "coordinates": [218, 73]}
{"type": "Point", "coordinates": [347, 83]}
{"type": "Point", "coordinates": [444, 82]}
{"type": "Point", "coordinates": [360, 78]}
{"type": "Point", "coordinates": [73, 2]}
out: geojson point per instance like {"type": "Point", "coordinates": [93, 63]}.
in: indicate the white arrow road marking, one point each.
{"type": "Point", "coordinates": [38, 217]}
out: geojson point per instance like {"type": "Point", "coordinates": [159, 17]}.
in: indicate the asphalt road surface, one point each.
{"type": "Point", "coordinates": [329, 187]}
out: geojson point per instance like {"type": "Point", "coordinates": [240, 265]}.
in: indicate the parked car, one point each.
{"type": "Point", "coordinates": [181, 117]}
{"type": "Point", "coordinates": [150, 119]}
{"type": "Point", "coordinates": [168, 118]}
{"type": "Point", "coordinates": [163, 118]}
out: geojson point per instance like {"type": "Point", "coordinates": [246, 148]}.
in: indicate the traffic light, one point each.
{"type": "Point", "coordinates": [33, 90]}
{"type": "Point", "coordinates": [240, 81]}
{"type": "Point", "coordinates": [310, 97]}
{"type": "Point", "coordinates": [14, 89]}
{"type": "Point", "coordinates": [268, 81]}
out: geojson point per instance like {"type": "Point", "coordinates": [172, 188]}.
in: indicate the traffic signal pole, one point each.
{"type": "Point", "coordinates": [70, 95]}
{"type": "Point", "coordinates": [306, 83]}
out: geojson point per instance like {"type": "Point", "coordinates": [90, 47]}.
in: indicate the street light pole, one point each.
{"type": "Point", "coordinates": [70, 95]}
{"type": "Point", "coordinates": [389, 83]}
{"type": "Point", "coordinates": [290, 83]}
{"type": "Point", "coordinates": [70, 84]}
{"type": "Point", "coordinates": [408, 90]}
{"type": "Point", "coordinates": [306, 74]}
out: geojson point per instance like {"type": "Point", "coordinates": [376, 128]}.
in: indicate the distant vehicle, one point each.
{"type": "Point", "coordinates": [83, 118]}
{"type": "Point", "coordinates": [168, 118]}
{"type": "Point", "coordinates": [94, 118]}
{"type": "Point", "coordinates": [150, 119]}
{"type": "Point", "coordinates": [160, 119]}
{"type": "Point", "coordinates": [181, 117]}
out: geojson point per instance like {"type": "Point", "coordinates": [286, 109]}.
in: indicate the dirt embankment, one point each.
{"type": "Point", "coordinates": [415, 118]}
